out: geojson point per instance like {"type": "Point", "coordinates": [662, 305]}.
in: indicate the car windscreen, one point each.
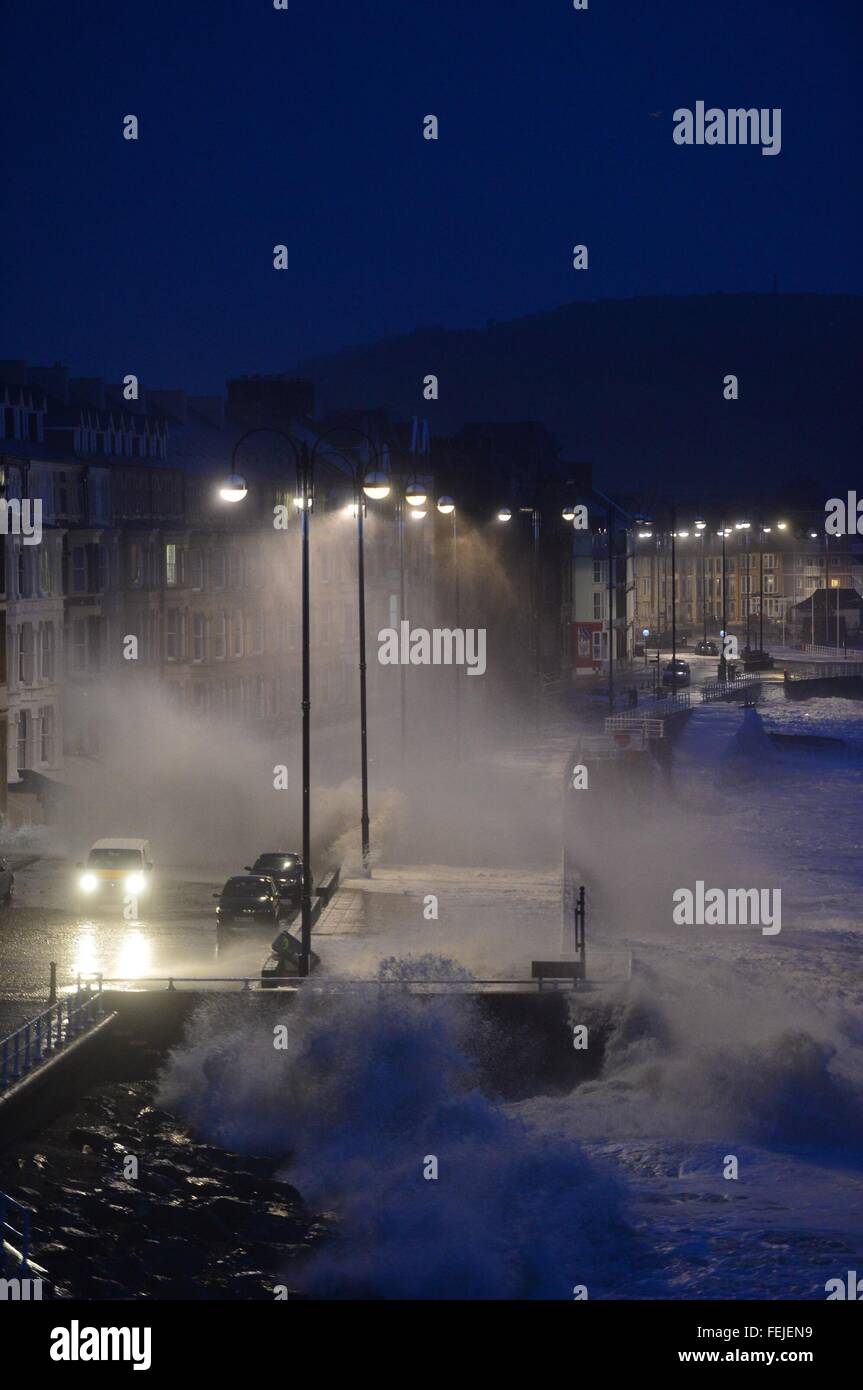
{"type": "Point", "coordinates": [280, 862]}
{"type": "Point", "coordinates": [114, 859]}
{"type": "Point", "coordinates": [246, 887]}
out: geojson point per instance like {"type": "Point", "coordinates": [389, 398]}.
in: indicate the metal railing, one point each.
{"type": "Point", "coordinates": [669, 704]}
{"type": "Point", "coordinates": [720, 690]}
{"type": "Point", "coordinates": [835, 653]}
{"type": "Point", "coordinates": [824, 670]}
{"type": "Point", "coordinates": [329, 985]}
{"type": "Point", "coordinates": [49, 1031]}
{"type": "Point", "coordinates": [650, 725]}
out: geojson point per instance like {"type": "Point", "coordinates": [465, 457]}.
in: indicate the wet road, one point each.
{"type": "Point", "coordinates": [175, 935]}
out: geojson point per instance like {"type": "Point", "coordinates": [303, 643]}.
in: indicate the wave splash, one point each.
{"type": "Point", "coordinates": [376, 1089]}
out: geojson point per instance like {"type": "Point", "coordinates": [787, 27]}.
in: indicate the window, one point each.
{"type": "Point", "coordinates": [45, 570]}
{"type": "Point", "coordinates": [47, 651]}
{"type": "Point", "coordinates": [23, 738]}
{"type": "Point", "coordinates": [171, 572]}
{"type": "Point", "coordinates": [258, 633]}
{"type": "Point", "coordinates": [79, 645]}
{"type": "Point", "coordinates": [238, 634]}
{"type": "Point", "coordinates": [198, 637]}
{"type": "Point", "coordinates": [79, 570]}
{"type": "Point", "coordinates": [135, 565]}
{"type": "Point", "coordinates": [61, 493]}
{"type": "Point", "coordinates": [196, 568]}
{"type": "Point", "coordinates": [218, 567]}
{"type": "Point", "coordinates": [598, 606]}
{"type": "Point", "coordinates": [24, 589]}
{"type": "Point", "coordinates": [770, 583]}
{"type": "Point", "coordinates": [46, 727]}
{"type": "Point", "coordinates": [220, 636]}
{"type": "Point", "coordinates": [235, 571]}
{"type": "Point", "coordinates": [103, 569]}
{"type": "Point", "coordinates": [175, 634]}
{"type": "Point", "coordinates": [25, 654]}
{"type": "Point", "coordinates": [769, 562]}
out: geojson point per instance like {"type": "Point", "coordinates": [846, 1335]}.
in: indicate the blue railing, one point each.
{"type": "Point", "coordinates": [48, 1032]}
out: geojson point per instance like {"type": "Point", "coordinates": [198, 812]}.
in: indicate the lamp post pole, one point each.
{"type": "Point", "coordinates": [403, 703]}
{"type": "Point", "coordinates": [359, 478]}
{"type": "Point", "coordinates": [307, 471]}
{"type": "Point", "coordinates": [673, 602]}
{"type": "Point", "coordinates": [703, 534]}
{"type": "Point", "coordinates": [722, 662]}
{"type": "Point", "coordinates": [305, 463]}
{"type": "Point", "coordinates": [610, 562]}
{"type": "Point", "coordinates": [458, 627]}
{"type": "Point", "coordinates": [761, 586]}
{"type": "Point", "coordinates": [364, 733]}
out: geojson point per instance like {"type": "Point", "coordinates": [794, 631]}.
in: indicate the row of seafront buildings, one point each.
{"type": "Point", "coordinates": [136, 543]}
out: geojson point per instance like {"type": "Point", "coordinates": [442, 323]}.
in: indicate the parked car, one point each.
{"type": "Point", "coordinates": [676, 673]}
{"type": "Point", "coordinates": [248, 898]}
{"type": "Point", "coordinates": [7, 884]}
{"type": "Point", "coordinates": [705, 647]}
{"type": "Point", "coordinates": [116, 869]}
{"type": "Point", "coordinates": [287, 870]}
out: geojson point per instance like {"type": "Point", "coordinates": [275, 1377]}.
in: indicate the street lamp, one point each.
{"type": "Point", "coordinates": [375, 484]}
{"type": "Point", "coordinates": [446, 507]}
{"type": "Point", "coordinates": [504, 514]}
{"type": "Point", "coordinates": [233, 489]}
{"type": "Point", "coordinates": [415, 495]}
{"type": "Point", "coordinates": [305, 465]}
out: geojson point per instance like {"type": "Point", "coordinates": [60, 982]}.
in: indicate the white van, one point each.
{"type": "Point", "coordinates": [117, 869]}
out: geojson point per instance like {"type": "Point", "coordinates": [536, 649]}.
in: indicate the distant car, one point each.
{"type": "Point", "coordinates": [248, 898]}
{"type": "Point", "coordinates": [676, 673]}
{"type": "Point", "coordinates": [7, 884]}
{"type": "Point", "coordinates": [705, 647]}
{"type": "Point", "coordinates": [116, 869]}
{"type": "Point", "coordinates": [287, 870]}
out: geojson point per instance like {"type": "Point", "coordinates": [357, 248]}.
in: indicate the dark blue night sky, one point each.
{"type": "Point", "coordinates": [305, 127]}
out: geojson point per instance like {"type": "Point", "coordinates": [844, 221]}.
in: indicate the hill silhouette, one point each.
{"type": "Point", "coordinates": [636, 386]}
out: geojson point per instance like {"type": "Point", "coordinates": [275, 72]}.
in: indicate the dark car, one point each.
{"type": "Point", "coordinates": [248, 898]}
{"type": "Point", "coordinates": [7, 884]}
{"type": "Point", "coordinates": [287, 870]}
{"type": "Point", "coordinates": [676, 673]}
{"type": "Point", "coordinates": [706, 648]}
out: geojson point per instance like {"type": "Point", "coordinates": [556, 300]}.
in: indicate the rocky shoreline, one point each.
{"type": "Point", "coordinates": [196, 1222]}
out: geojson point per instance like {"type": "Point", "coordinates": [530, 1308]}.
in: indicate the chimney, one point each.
{"type": "Point", "coordinates": [171, 403]}
{"type": "Point", "coordinates": [210, 408]}
{"type": "Point", "coordinates": [87, 390]}
{"type": "Point", "coordinates": [54, 380]}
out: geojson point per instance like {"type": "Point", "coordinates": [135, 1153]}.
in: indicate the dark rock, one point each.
{"type": "Point", "coordinates": [93, 1139]}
